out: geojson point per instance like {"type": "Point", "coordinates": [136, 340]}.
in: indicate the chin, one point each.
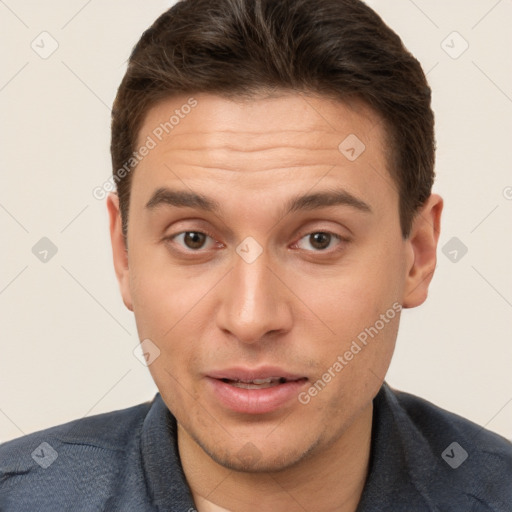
{"type": "Point", "coordinates": [249, 459]}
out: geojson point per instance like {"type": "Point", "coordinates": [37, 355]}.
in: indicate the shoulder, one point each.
{"type": "Point", "coordinates": [467, 458]}
{"type": "Point", "coordinates": [93, 450]}
{"type": "Point", "coordinates": [107, 431]}
{"type": "Point", "coordinates": [438, 424]}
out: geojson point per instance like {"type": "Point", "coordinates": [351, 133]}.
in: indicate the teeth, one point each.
{"type": "Point", "coordinates": [267, 383]}
{"type": "Point", "coordinates": [257, 383]}
{"type": "Point", "coordinates": [262, 381]}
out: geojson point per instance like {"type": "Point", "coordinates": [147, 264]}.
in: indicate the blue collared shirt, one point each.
{"type": "Point", "coordinates": [422, 459]}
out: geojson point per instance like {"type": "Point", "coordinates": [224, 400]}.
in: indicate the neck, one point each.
{"type": "Point", "coordinates": [330, 479]}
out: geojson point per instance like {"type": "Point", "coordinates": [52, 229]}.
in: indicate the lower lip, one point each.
{"type": "Point", "coordinates": [254, 401]}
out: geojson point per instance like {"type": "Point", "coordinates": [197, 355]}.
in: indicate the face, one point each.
{"type": "Point", "coordinates": [267, 267]}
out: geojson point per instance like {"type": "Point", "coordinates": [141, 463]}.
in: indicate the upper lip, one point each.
{"type": "Point", "coordinates": [250, 374]}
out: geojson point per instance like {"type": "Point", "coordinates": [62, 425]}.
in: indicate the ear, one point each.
{"type": "Point", "coordinates": [119, 250]}
{"type": "Point", "coordinates": [422, 246]}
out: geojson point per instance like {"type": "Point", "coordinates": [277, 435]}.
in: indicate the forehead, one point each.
{"type": "Point", "coordinates": [254, 120]}
{"type": "Point", "coordinates": [285, 142]}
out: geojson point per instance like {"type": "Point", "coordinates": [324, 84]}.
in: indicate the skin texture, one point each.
{"type": "Point", "coordinates": [299, 305]}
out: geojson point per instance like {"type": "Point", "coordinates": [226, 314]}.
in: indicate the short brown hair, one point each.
{"type": "Point", "coordinates": [337, 48]}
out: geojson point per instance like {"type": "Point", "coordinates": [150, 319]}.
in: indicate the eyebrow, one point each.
{"type": "Point", "coordinates": [187, 199]}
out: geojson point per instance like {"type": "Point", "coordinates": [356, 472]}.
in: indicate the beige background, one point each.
{"type": "Point", "coordinates": [67, 341]}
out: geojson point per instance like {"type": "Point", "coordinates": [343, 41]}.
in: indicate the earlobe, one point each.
{"type": "Point", "coordinates": [422, 244]}
{"type": "Point", "coordinates": [119, 251]}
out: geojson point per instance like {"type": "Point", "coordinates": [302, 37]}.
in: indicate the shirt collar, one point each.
{"type": "Point", "coordinates": [166, 483]}
{"type": "Point", "coordinates": [394, 479]}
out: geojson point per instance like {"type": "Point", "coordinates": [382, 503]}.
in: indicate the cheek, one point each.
{"type": "Point", "coordinates": [352, 369]}
{"type": "Point", "coordinates": [163, 295]}
{"type": "Point", "coordinates": [359, 309]}
{"type": "Point", "coordinates": [344, 303]}
{"type": "Point", "coordinates": [171, 309]}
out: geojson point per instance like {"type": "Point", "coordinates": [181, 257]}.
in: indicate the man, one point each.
{"type": "Point", "coordinates": [274, 165]}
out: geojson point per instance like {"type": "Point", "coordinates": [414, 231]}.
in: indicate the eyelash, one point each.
{"type": "Point", "coordinates": [340, 239]}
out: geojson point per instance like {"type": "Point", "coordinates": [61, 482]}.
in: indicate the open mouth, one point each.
{"type": "Point", "coordinates": [257, 383]}
{"type": "Point", "coordinates": [254, 390]}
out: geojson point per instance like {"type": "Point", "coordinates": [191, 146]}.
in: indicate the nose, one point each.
{"type": "Point", "coordinates": [255, 304]}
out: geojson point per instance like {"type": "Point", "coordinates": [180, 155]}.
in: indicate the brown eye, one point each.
{"type": "Point", "coordinates": [319, 241]}
{"type": "Point", "coordinates": [194, 239]}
